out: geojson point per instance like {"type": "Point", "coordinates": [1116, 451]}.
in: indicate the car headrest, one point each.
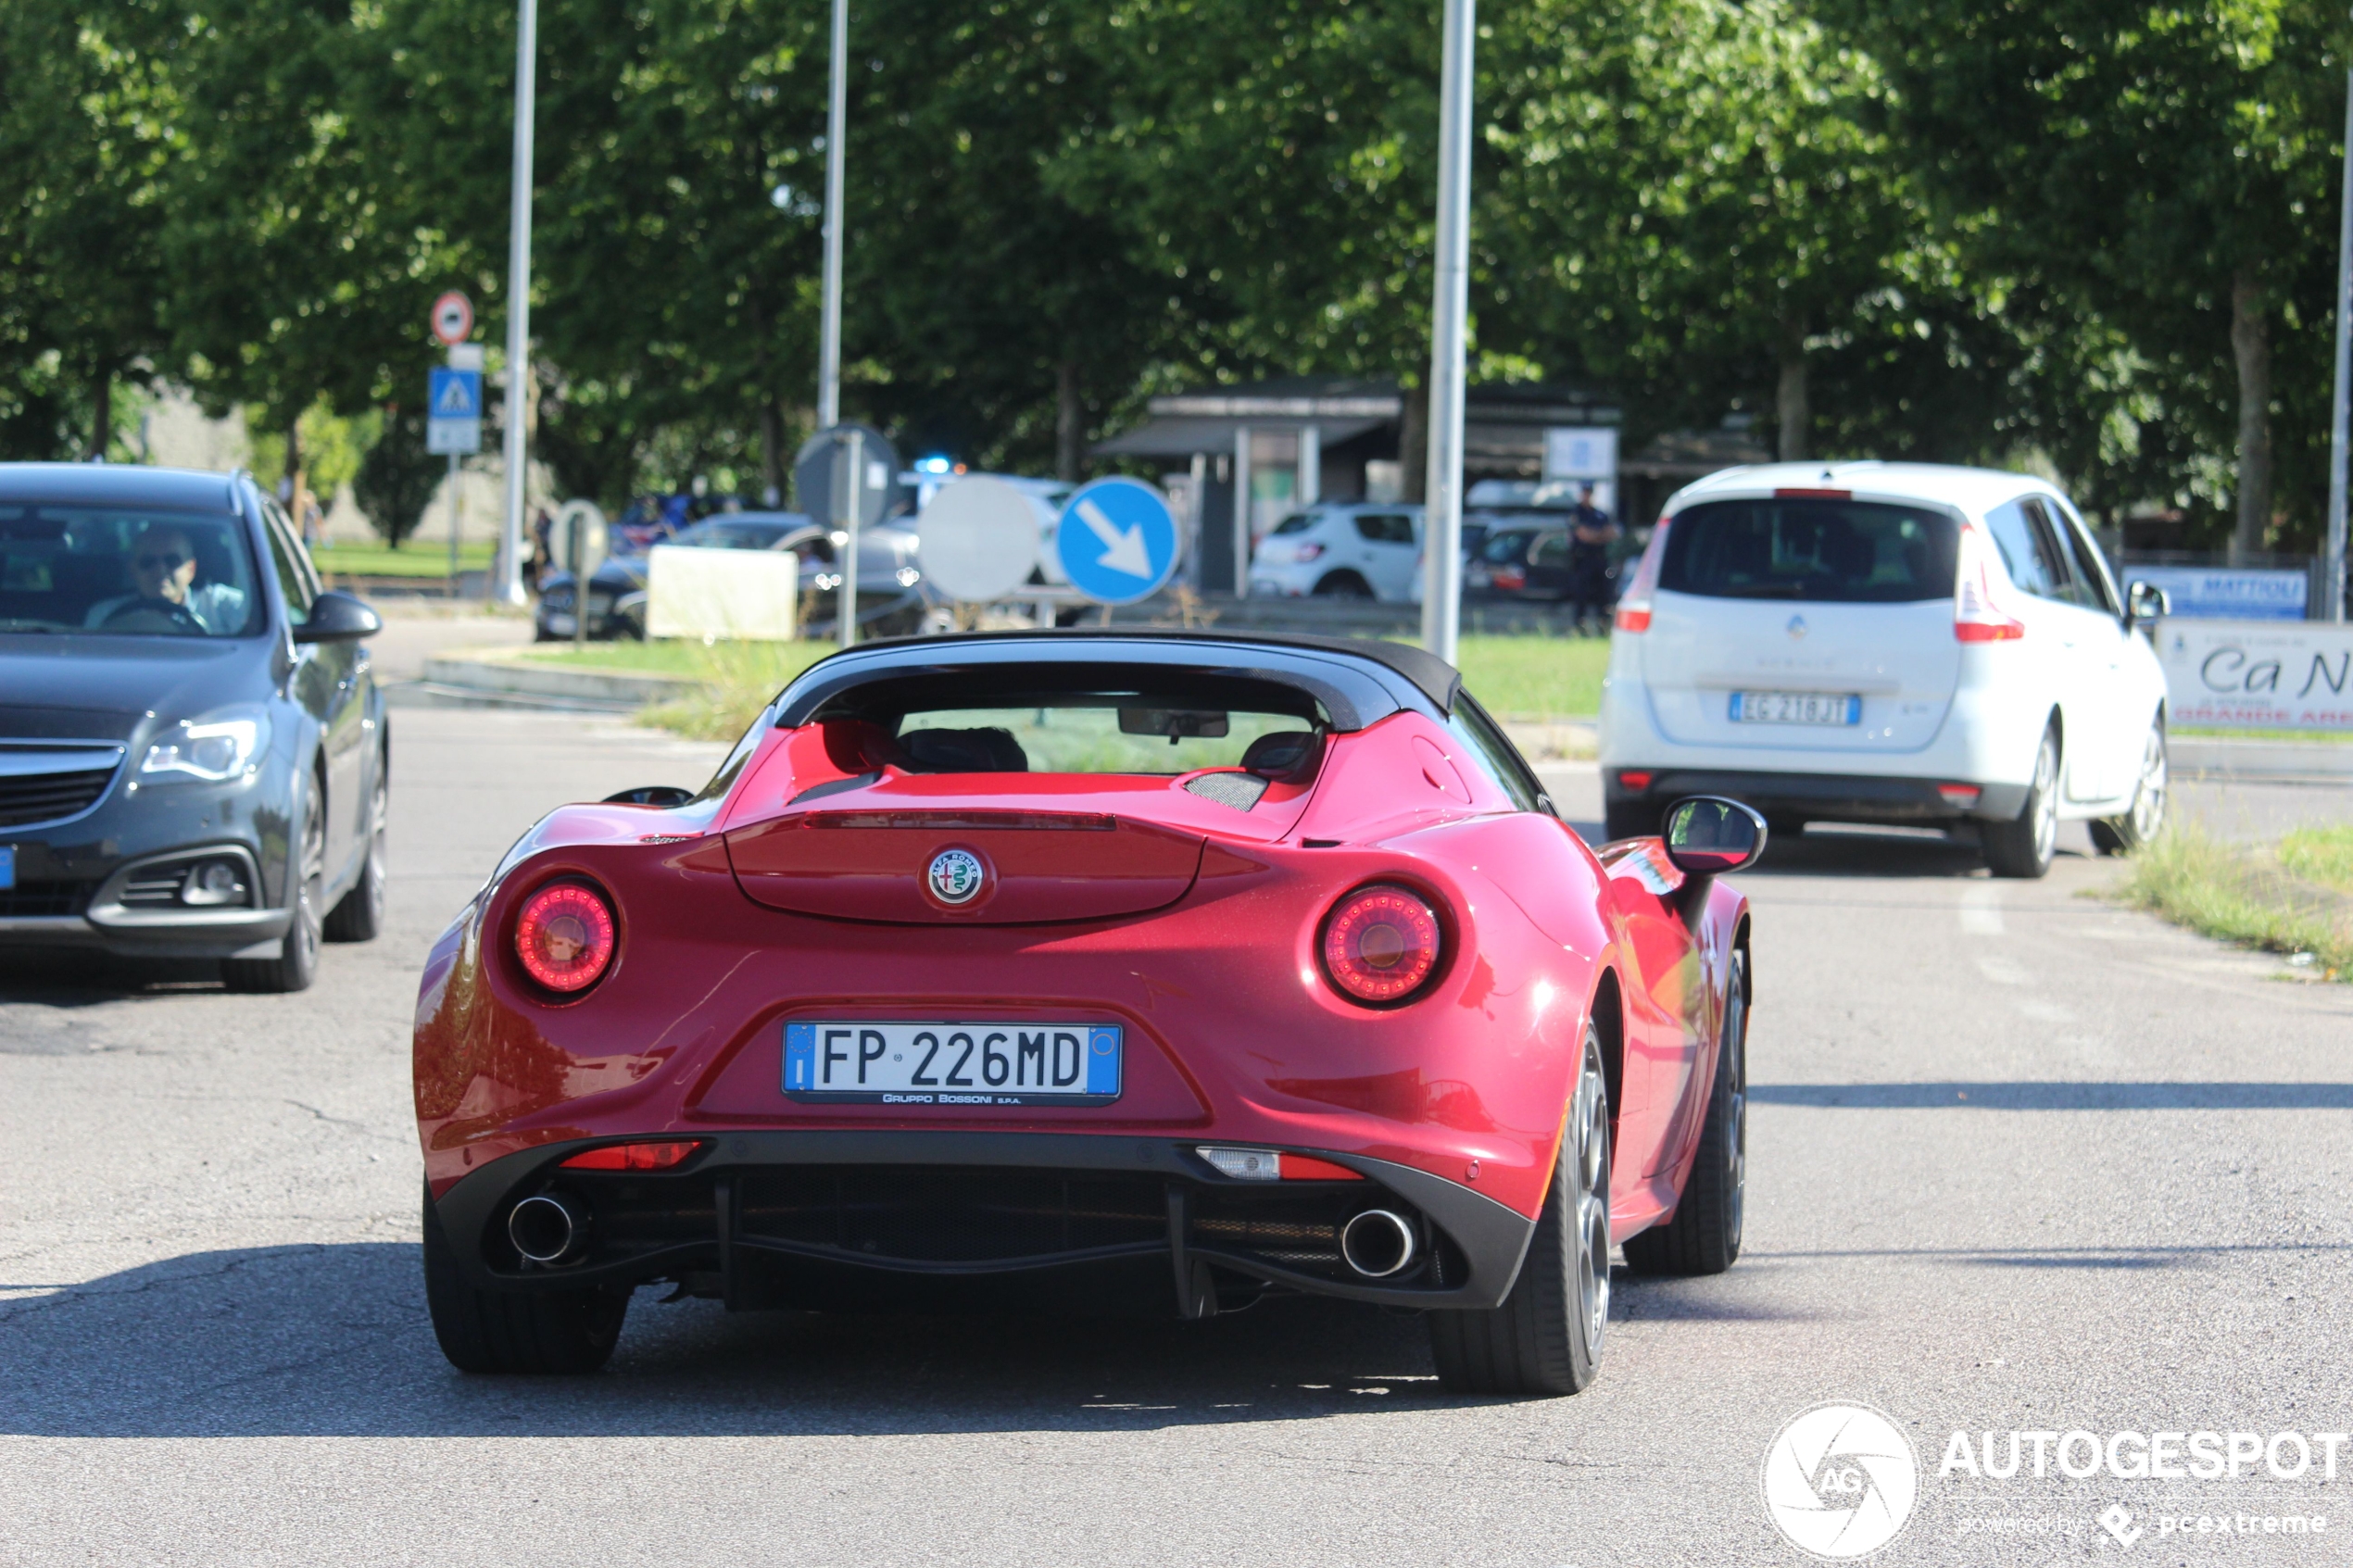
{"type": "Point", "coordinates": [1284, 754]}
{"type": "Point", "coordinates": [984, 749]}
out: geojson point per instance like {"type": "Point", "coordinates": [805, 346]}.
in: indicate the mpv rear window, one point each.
{"type": "Point", "coordinates": [1844, 552]}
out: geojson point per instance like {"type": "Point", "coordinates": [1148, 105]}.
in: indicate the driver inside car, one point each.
{"type": "Point", "coordinates": [163, 571]}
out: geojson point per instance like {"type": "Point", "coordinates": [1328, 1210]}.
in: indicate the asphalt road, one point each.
{"type": "Point", "coordinates": [2019, 1160]}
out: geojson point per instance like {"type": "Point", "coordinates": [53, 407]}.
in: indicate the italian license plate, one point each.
{"type": "Point", "coordinates": [1797, 707]}
{"type": "Point", "coordinates": [7, 866]}
{"type": "Point", "coordinates": [952, 1064]}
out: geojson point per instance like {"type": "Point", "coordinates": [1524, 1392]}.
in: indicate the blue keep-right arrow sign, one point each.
{"type": "Point", "coordinates": [1117, 540]}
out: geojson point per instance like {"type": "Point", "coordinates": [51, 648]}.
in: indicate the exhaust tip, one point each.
{"type": "Point", "coordinates": [548, 1228]}
{"type": "Point", "coordinates": [1378, 1244]}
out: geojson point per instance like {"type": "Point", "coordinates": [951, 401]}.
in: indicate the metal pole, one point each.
{"type": "Point", "coordinates": [2333, 591]}
{"type": "Point", "coordinates": [837, 130]}
{"type": "Point", "coordinates": [854, 490]}
{"type": "Point", "coordinates": [574, 548]}
{"type": "Point", "coordinates": [508, 589]}
{"type": "Point", "coordinates": [1241, 512]}
{"type": "Point", "coordinates": [453, 525]}
{"type": "Point", "coordinates": [1443, 509]}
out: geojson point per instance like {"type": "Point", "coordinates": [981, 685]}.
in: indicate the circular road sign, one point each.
{"type": "Point", "coordinates": [1117, 540]}
{"type": "Point", "coordinates": [979, 539]}
{"type": "Point", "coordinates": [823, 462]}
{"type": "Point", "coordinates": [453, 317]}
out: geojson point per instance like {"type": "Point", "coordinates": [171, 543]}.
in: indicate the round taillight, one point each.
{"type": "Point", "coordinates": [1381, 943]}
{"type": "Point", "coordinates": [564, 936]}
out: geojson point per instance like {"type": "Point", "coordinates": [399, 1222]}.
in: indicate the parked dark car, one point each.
{"type": "Point", "coordinates": [194, 755]}
{"type": "Point", "coordinates": [1501, 565]}
{"type": "Point", "coordinates": [886, 584]}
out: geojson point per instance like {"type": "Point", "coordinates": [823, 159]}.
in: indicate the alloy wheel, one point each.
{"type": "Point", "coordinates": [2046, 800]}
{"type": "Point", "coordinates": [1593, 1204]}
{"type": "Point", "coordinates": [2148, 802]}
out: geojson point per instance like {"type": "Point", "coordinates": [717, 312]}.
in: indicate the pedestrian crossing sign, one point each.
{"type": "Point", "coordinates": [453, 411]}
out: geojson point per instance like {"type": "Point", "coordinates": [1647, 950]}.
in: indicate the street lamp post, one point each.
{"type": "Point", "coordinates": [1442, 495]}
{"type": "Point", "coordinates": [2333, 590]}
{"type": "Point", "coordinates": [508, 587]}
{"type": "Point", "coordinates": [829, 329]}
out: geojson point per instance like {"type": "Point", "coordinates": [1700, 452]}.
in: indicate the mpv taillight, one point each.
{"type": "Point", "coordinates": [1978, 616]}
{"type": "Point", "coordinates": [564, 936]}
{"type": "Point", "coordinates": [1634, 605]}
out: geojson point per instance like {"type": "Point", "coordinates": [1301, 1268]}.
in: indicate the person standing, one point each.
{"type": "Point", "coordinates": [1590, 534]}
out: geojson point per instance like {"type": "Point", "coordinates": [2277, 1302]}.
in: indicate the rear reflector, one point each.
{"type": "Point", "coordinates": [1634, 605]}
{"type": "Point", "coordinates": [1805, 495]}
{"type": "Point", "coordinates": [1268, 1166]}
{"type": "Point", "coordinates": [634, 1156]}
{"type": "Point", "coordinates": [1960, 794]}
{"type": "Point", "coordinates": [1245, 1164]}
{"type": "Point", "coordinates": [1632, 778]}
{"type": "Point", "coordinates": [1307, 1168]}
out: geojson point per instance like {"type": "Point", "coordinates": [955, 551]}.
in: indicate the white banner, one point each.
{"type": "Point", "coordinates": [2257, 675]}
{"type": "Point", "coordinates": [734, 594]}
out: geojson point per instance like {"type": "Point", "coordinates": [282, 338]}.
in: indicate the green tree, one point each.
{"type": "Point", "coordinates": [2166, 174]}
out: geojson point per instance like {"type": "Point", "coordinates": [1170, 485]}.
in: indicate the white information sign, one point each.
{"type": "Point", "coordinates": [739, 594]}
{"type": "Point", "coordinates": [2257, 675]}
{"type": "Point", "coordinates": [1581, 452]}
{"type": "Point", "coordinates": [2226, 593]}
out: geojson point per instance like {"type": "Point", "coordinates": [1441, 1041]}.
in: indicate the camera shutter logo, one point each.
{"type": "Point", "coordinates": [955, 876]}
{"type": "Point", "coordinates": [1839, 1481]}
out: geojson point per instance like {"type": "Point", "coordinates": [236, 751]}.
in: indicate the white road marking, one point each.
{"type": "Point", "coordinates": [1980, 911]}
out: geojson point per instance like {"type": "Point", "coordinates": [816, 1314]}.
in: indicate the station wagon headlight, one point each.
{"type": "Point", "coordinates": [217, 747]}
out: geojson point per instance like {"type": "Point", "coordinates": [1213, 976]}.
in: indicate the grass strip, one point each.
{"type": "Point", "coordinates": [2254, 898]}
{"type": "Point", "coordinates": [421, 558]}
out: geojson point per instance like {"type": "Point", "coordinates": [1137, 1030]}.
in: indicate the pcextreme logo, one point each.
{"type": "Point", "coordinates": [1839, 1481]}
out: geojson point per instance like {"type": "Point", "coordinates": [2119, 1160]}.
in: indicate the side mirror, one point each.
{"type": "Point", "coordinates": [1708, 835]}
{"type": "Point", "coordinates": [2145, 602]}
{"type": "Point", "coordinates": [663, 795]}
{"type": "Point", "coordinates": [336, 617]}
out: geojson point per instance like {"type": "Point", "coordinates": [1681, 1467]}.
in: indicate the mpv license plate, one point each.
{"type": "Point", "coordinates": [1797, 707]}
{"type": "Point", "coordinates": [953, 1065]}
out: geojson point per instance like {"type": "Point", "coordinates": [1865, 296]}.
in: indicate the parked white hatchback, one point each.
{"type": "Point", "coordinates": [1348, 550]}
{"type": "Point", "coordinates": [1885, 643]}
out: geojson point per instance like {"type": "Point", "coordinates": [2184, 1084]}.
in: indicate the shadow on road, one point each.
{"type": "Point", "coordinates": [71, 977]}
{"type": "Point", "coordinates": [332, 1341]}
{"type": "Point", "coordinates": [2058, 1097]}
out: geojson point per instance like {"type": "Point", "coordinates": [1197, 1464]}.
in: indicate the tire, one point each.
{"type": "Point", "coordinates": [499, 1331]}
{"type": "Point", "coordinates": [1344, 585]}
{"type": "Point", "coordinates": [1631, 819]}
{"type": "Point", "coordinates": [1546, 1337]}
{"type": "Point", "coordinates": [2024, 847]}
{"type": "Point", "coordinates": [1704, 1236]}
{"type": "Point", "coordinates": [297, 964]}
{"type": "Point", "coordinates": [2121, 835]}
{"type": "Point", "coordinates": [359, 917]}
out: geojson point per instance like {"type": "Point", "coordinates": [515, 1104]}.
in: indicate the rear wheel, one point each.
{"type": "Point", "coordinates": [297, 964]}
{"type": "Point", "coordinates": [361, 914]}
{"type": "Point", "coordinates": [2121, 835]}
{"type": "Point", "coordinates": [1631, 819]}
{"type": "Point", "coordinates": [1704, 1236]}
{"type": "Point", "coordinates": [2024, 847]}
{"type": "Point", "coordinates": [1546, 1337]}
{"type": "Point", "coordinates": [498, 1331]}
{"type": "Point", "coordinates": [1344, 585]}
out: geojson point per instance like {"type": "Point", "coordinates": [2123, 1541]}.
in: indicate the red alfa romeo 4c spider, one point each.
{"type": "Point", "coordinates": [1087, 967]}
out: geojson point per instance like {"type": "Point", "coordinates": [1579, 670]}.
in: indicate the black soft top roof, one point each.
{"type": "Point", "coordinates": [1358, 681]}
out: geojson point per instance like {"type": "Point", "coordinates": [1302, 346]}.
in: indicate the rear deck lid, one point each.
{"type": "Point", "coordinates": [964, 865]}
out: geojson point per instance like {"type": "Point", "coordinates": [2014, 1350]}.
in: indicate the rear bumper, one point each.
{"type": "Point", "coordinates": [1838, 798]}
{"type": "Point", "coordinates": [768, 1217]}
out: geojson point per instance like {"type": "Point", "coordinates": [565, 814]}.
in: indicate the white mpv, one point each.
{"type": "Point", "coordinates": [1886, 643]}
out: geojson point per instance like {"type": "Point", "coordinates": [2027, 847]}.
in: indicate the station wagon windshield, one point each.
{"type": "Point", "coordinates": [125, 572]}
